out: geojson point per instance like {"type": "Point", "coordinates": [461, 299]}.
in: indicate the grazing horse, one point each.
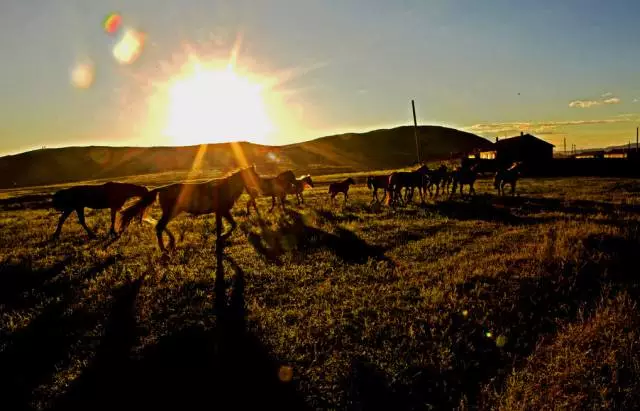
{"type": "Point", "coordinates": [378, 182]}
{"type": "Point", "coordinates": [464, 175]}
{"type": "Point", "coordinates": [438, 178]}
{"type": "Point", "coordinates": [409, 180]}
{"type": "Point", "coordinates": [509, 176]}
{"type": "Point", "coordinates": [214, 196]}
{"type": "Point", "coordinates": [277, 186]}
{"type": "Point", "coordinates": [340, 187]}
{"type": "Point", "coordinates": [298, 187]}
{"type": "Point", "coordinates": [110, 195]}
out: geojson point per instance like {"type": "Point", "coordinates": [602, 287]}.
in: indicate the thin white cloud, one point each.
{"type": "Point", "coordinates": [544, 127]}
{"type": "Point", "coordinates": [612, 100]}
{"type": "Point", "coordinates": [584, 103]}
{"type": "Point", "coordinates": [607, 98]}
{"type": "Point", "coordinates": [635, 100]}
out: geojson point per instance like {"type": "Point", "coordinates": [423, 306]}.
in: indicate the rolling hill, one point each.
{"type": "Point", "coordinates": [378, 149]}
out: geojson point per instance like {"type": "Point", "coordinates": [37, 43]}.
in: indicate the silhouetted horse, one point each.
{"type": "Point", "coordinates": [214, 196]}
{"type": "Point", "coordinates": [277, 186]}
{"type": "Point", "coordinates": [438, 178]}
{"type": "Point", "coordinates": [378, 182]}
{"type": "Point", "coordinates": [509, 176]}
{"type": "Point", "coordinates": [110, 195]}
{"type": "Point", "coordinates": [298, 187]}
{"type": "Point", "coordinates": [340, 187]}
{"type": "Point", "coordinates": [465, 175]}
{"type": "Point", "coordinates": [409, 180]}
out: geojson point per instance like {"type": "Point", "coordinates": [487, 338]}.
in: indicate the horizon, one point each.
{"type": "Point", "coordinates": [468, 67]}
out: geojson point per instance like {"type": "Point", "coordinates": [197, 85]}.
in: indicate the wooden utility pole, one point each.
{"type": "Point", "coordinates": [637, 128]}
{"type": "Point", "coordinates": [565, 146]}
{"type": "Point", "coordinates": [415, 130]}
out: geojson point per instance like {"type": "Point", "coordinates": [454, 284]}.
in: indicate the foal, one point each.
{"type": "Point", "coordinates": [341, 187]}
{"type": "Point", "coordinates": [464, 175]}
{"type": "Point", "coordinates": [274, 187]}
{"type": "Point", "coordinates": [509, 176]}
{"type": "Point", "coordinates": [378, 182]}
{"type": "Point", "coordinates": [298, 187]}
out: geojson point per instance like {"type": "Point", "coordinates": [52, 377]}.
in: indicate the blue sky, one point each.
{"type": "Point", "coordinates": [491, 67]}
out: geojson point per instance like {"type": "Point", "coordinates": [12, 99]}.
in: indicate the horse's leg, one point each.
{"type": "Point", "coordinates": [346, 196]}
{"type": "Point", "coordinates": [160, 228]}
{"type": "Point", "coordinates": [273, 203]}
{"type": "Point", "coordinates": [80, 212]}
{"type": "Point", "coordinates": [227, 215]}
{"type": "Point", "coordinates": [112, 230]}
{"type": "Point", "coordinates": [63, 217]}
{"type": "Point", "coordinates": [513, 188]}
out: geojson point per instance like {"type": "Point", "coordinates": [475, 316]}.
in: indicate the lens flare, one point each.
{"type": "Point", "coordinates": [82, 76]}
{"type": "Point", "coordinates": [128, 49]}
{"type": "Point", "coordinates": [112, 23]}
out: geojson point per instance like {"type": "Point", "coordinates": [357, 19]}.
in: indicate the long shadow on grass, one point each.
{"type": "Point", "coordinates": [32, 353]}
{"type": "Point", "coordinates": [294, 234]}
{"type": "Point", "coordinates": [519, 311]}
{"type": "Point", "coordinates": [516, 210]}
{"type": "Point", "coordinates": [222, 367]}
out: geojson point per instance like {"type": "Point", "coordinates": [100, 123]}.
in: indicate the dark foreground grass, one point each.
{"type": "Point", "coordinates": [511, 303]}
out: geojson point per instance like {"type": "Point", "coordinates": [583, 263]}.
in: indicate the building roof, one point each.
{"type": "Point", "coordinates": [519, 140]}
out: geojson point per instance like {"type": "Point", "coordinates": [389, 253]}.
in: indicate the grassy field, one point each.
{"type": "Point", "coordinates": [494, 303]}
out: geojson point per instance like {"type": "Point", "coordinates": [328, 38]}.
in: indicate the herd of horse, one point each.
{"type": "Point", "coordinates": [218, 196]}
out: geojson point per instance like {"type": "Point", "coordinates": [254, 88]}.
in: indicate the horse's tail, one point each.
{"type": "Point", "coordinates": [370, 182]}
{"type": "Point", "coordinates": [137, 209]}
{"type": "Point", "coordinates": [390, 188]}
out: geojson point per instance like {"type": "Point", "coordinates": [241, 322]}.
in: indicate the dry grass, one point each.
{"type": "Point", "coordinates": [458, 303]}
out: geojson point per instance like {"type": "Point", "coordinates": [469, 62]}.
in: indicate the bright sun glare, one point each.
{"type": "Point", "coordinates": [208, 105]}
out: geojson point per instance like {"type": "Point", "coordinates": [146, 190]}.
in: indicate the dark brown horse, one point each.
{"type": "Point", "coordinates": [340, 187]}
{"type": "Point", "coordinates": [277, 186]}
{"type": "Point", "coordinates": [215, 196]}
{"type": "Point", "coordinates": [376, 183]}
{"type": "Point", "coordinates": [465, 175]}
{"type": "Point", "coordinates": [408, 180]}
{"type": "Point", "coordinates": [110, 195]}
{"type": "Point", "coordinates": [437, 178]}
{"type": "Point", "coordinates": [298, 187]}
{"type": "Point", "coordinates": [509, 176]}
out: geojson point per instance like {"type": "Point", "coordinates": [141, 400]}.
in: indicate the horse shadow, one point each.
{"type": "Point", "coordinates": [293, 234]}
{"type": "Point", "coordinates": [32, 353]}
{"type": "Point", "coordinates": [521, 210]}
{"type": "Point", "coordinates": [531, 313]}
{"type": "Point", "coordinates": [218, 366]}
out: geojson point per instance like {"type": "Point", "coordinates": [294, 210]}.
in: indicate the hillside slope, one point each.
{"type": "Point", "coordinates": [378, 149]}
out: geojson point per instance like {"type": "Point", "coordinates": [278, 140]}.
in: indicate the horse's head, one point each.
{"type": "Point", "coordinates": [307, 179]}
{"type": "Point", "coordinates": [350, 181]}
{"type": "Point", "coordinates": [140, 191]}
{"type": "Point", "coordinates": [424, 169]}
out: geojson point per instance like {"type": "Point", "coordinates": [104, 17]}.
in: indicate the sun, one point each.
{"type": "Point", "coordinates": [208, 105]}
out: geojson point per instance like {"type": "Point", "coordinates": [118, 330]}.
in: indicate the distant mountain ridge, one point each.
{"type": "Point", "coordinates": [377, 149]}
